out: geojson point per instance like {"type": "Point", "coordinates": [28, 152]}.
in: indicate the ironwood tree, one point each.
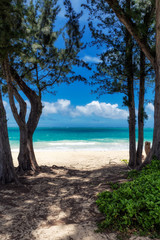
{"type": "Point", "coordinates": [153, 55]}
{"type": "Point", "coordinates": [10, 30]}
{"type": "Point", "coordinates": [39, 65]}
{"type": "Point", "coordinates": [122, 62]}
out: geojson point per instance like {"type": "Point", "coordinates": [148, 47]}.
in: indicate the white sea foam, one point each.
{"type": "Point", "coordinates": [78, 139]}
{"type": "Point", "coordinates": [75, 145]}
{"type": "Point", "coordinates": [80, 146]}
{"type": "Point", "coordinates": [71, 143]}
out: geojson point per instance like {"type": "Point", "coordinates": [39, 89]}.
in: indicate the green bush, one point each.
{"type": "Point", "coordinates": [135, 204]}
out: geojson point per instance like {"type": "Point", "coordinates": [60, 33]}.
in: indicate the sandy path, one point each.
{"type": "Point", "coordinates": [59, 202]}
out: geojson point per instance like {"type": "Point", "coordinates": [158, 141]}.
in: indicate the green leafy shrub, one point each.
{"type": "Point", "coordinates": [113, 186]}
{"type": "Point", "coordinates": [135, 204]}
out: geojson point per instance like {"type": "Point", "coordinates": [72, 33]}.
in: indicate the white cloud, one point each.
{"type": "Point", "coordinates": [150, 107]}
{"type": "Point", "coordinates": [49, 108]}
{"type": "Point", "coordinates": [91, 59]}
{"type": "Point", "coordinates": [95, 108]}
{"type": "Point", "coordinates": [61, 106]}
{"type": "Point", "coordinates": [105, 110]}
{"type": "Point", "coordinates": [64, 107]}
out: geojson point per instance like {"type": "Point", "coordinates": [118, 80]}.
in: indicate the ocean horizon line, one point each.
{"type": "Point", "coordinates": [73, 127]}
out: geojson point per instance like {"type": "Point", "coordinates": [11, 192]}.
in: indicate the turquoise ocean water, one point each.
{"type": "Point", "coordinates": [66, 139]}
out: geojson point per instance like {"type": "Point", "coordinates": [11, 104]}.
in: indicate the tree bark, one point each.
{"type": "Point", "coordinates": [26, 158]}
{"type": "Point", "coordinates": [131, 103]}
{"type": "Point", "coordinates": [7, 172]}
{"type": "Point", "coordinates": [132, 123]}
{"type": "Point", "coordinates": [34, 116]}
{"type": "Point", "coordinates": [155, 150]}
{"type": "Point", "coordinates": [141, 111]}
{"type": "Point", "coordinates": [132, 136]}
{"type": "Point", "coordinates": [23, 157]}
{"type": "Point", "coordinates": [25, 162]}
{"type": "Point", "coordinates": [155, 61]}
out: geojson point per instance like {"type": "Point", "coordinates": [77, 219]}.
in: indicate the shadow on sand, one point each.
{"type": "Point", "coordinates": [52, 199]}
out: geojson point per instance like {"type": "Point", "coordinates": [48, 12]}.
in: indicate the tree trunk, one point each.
{"type": "Point", "coordinates": [155, 150]}
{"type": "Point", "coordinates": [156, 135]}
{"type": "Point", "coordinates": [141, 111]}
{"type": "Point", "coordinates": [7, 172]}
{"type": "Point", "coordinates": [25, 163]}
{"type": "Point", "coordinates": [31, 153]}
{"type": "Point", "coordinates": [34, 116]}
{"type": "Point", "coordinates": [132, 123]}
{"type": "Point", "coordinates": [23, 157]}
{"type": "Point", "coordinates": [155, 61]}
{"type": "Point", "coordinates": [36, 111]}
{"type": "Point", "coordinates": [130, 88]}
{"type": "Point", "coordinates": [26, 158]}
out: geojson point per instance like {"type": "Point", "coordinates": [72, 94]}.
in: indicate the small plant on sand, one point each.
{"type": "Point", "coordinates": [125, 161]}
{"type": "Point", "coordinates": [135, 204]}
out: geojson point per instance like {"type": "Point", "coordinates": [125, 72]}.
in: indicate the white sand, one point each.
{"type": "Point", "coordinates": [78, 159]}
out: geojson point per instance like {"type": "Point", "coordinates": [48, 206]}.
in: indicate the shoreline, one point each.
{"type": "Point", "coordinates": [84, 160]}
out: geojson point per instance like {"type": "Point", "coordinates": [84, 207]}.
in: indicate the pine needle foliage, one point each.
{"type": "Point", "coordinates": [30, 39]}
{"type": "Point", "coordinates": [108, 32]}
{"type": "Point", "coordinates": [11, 26]}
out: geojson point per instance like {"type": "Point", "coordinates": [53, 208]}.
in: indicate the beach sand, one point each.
{"type": "Point", "coordinates": [58, 203]}
{"type": "Point", "coordinates": [82, 160]}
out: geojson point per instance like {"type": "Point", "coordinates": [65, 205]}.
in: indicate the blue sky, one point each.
{"type": "Point", "coordinates": [75, 106]}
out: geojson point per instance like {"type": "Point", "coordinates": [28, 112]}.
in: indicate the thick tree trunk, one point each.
{"type": "Point", "coordinates": [23, 157]}
{"type": "Point", "coordinates": [155, 150]}
{"type": "Point", "coordinates": [141, 111]}
{"type": "Point", "coordinates": [34, 116]}
{"type": "Point", "coordinates": [31, 153]}
{"type": "Point", "coordinates": [156, 136]}
{"type": "Point", "coordinates": [36, 111]}
{"type": "Point", "coordinates": [26, 158]}
{"type": "Point", "coordinates": [7, 172]}
{"type": "Point", "coordinates": [25, 162]}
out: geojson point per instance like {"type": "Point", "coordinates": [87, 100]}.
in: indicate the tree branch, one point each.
{"type": "Point", "coordinates": [11, 92]}
{"type": "Point", "coordinates": [132, 29]}
{"type": "Point", "coordinates": [23, 86]}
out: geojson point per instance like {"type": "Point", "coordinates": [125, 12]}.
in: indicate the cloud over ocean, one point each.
{"type": "Point", "coordinates": [100, 109]}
